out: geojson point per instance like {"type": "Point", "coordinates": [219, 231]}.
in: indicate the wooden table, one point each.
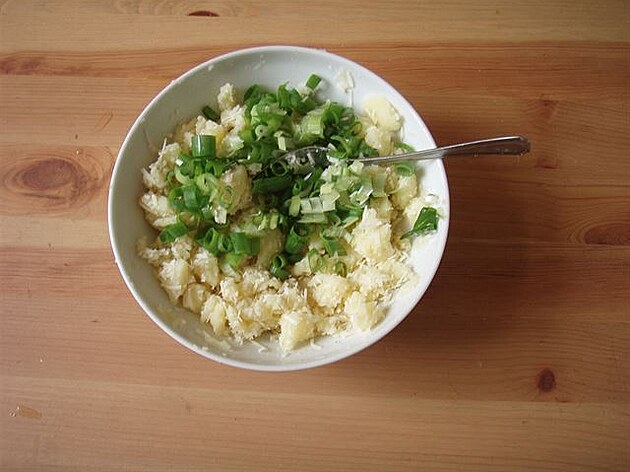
{"type": "Point", "coordinates": [516, 359]}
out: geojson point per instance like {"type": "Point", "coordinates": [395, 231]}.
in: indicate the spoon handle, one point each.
{"type": "Point", "coordinates": [508, 145]}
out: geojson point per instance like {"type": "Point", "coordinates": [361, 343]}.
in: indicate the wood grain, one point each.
{"type": "Point", "coordinates": [516, 359]}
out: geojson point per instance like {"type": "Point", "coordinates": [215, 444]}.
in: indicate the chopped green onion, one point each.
{"type": "Point", "coordinates": [275, 218]}
{"type": "Point", "coordinates": [226, 196]}
{"type": "Point", "coordinates": [210, 241]}
{"type": "Point", "coordinates": [215, 166]}
{"type": "Point", "coordinates": [332, 245]}
{"type": "Point", "coordinates": [186, 165]}
{"type": "Point", "coordinates": [315, 260]}
{"type": "Point", "coordinates": [277, 267]}
{"type": "Point", "coordinates": [191, 198]}
{"type": "Point", "coordinates": [404, 169]}
{"type": "Point", "coordinates": [208, 184]}
{"type": "Point", "coordinates": [225, 243]}
{"type": "Point", "coordinates": [340, 268]}
{"type": "Point", "coordinates": [425, 223]}
{"type": "Point", "coordinates": [312, 125]}
{"type": "Point", "coordinates": [296, 240]}
{"type": "Point", "coordinates": [350, 208]}
{"type": "Point", "coordinates": [293, 258]}
{"type": "Point", "coordinates": [176, 199]}
{"type": "Point", "coordinates": [404, 147]}
{"type": "Point", "coordinates": [345, 183]}
{"type": "Point", "coordinates": [210, 114]}
{"type": "Point", "coordinates": [313, 81]}
{"type": "Point", "coordinates": [282, 143]}
{"type": "Point", "coordinates": [328, 200]}
{"type": "Point", "coordinates": [294, 206]}
{"type": "Point", "coordinates": [180, 177]}
{"type": "Point", "coordinates": [272, 184]}
{"type": "Point", "coordinates": [356, 167]}
{"type": "Point", "coordinates": [254, 93]}
{"type": "Point", "coordinates": [242, 243]}
{"type": "Point", "coordinates": [365, 191]}
{"type": "Point", "coordinates": [172, 232]}
{"type": "Point", "coordinates": [315, 218]}
{"type": "Point", "coordinates": [206, 213]}
{"type": "Point", "coordinates": [235, 261]}
{"type": "Point", "coordinates": [333, 198]}
{"type": "Point", "coordinates": [189, 218]}
{"type": "Point", "coordinates": [261, 131]}
{"type": "Point", "coordinates": [271, 220]}
{"type": "Point", "coordinates": [267, 200]}
{"type": "Point", "coordinates": [349, 220]}
{"type": "Point", "coordinates": [378, 184]}
{"type": "Point", "coordinates": [333, 219]}
{"type": "Point", "coordinates": [298, 186]}
{"type": "Point", "coordinates": [203, 145]}
{"type": "Point", "coordinates": [279, 167]}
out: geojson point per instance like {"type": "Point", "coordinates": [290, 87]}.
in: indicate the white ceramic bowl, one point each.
{"type": "Point", "coordinates": [182, 99]}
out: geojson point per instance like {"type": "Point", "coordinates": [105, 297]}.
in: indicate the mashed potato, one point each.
{"type": "Point", "coordinates": [246, 303]}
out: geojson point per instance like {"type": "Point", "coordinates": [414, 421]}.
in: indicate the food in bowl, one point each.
{"type": "Point", "coordinates": [254, 246]}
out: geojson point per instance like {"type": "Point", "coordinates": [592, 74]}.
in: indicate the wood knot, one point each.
{"type": "Point", "coordinates": [49, 184]}
{"type": "Point", "coordinates": [548, 109]}
{"type": "Point", "coordinates": [48, 175]}
{"type": "Point", "coordinates": [203, 13]}
{"type": "Point", "coordinates": [546, 162]}
{"type": "Point", "coordinates": [546, 380]}
{"type": "Point", "coordinates": [27, 412]}
{"type": "Point", "coordinates": [614, 234]}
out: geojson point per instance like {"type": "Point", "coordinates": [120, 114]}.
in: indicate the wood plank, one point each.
{"type": "Point", "coordinates": [277, 431]}
{"type": "Point", "coordinates": [553, 126]}
{"type": "Point", "coordinates": [607, 11]}
{"type": "Point", "coordinates": [434, 354]}
{"type": "Point", "coordinates": [538, 70]}
{"type": "Point", "coordinates": [256, 23]}
{"type": "Point", "coordinates": [81, 112]}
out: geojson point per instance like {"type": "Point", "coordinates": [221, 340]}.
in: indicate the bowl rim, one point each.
{"type": "Point", "coordinates": [445, 199]}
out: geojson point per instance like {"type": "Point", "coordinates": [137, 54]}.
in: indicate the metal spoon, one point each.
{"type": "Point", "coordinates": [308, 157]}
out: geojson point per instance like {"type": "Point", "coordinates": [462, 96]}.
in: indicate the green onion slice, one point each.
{"type": "Point", "coordinates": [272, 184]}
{"type": "Point", "coordinates": [315, 260]}
{"type": "Point", "coordinates": [226, 197]}
{"type": "Point", "coordinates": [210, 114]}
{"type": "Point", "coordinates": [242, 243]}
{"type": "Point", "coordinates": [203, 146]}
{"type": "Point", "coordinates": [331, 242]}
{"type": "Point", "coordinates": [278, 267]}
{"type": "Point", "coordinates": [172, 232]}
{"type": "Point", "coordinates": [208, 184]}
{"type": "Point", "coordinates": [404, 169]}
{"type": "Point", "coordinates": [313, 81]}
{"type": "Point", "coordinates": [210, 241]}
{"type": "Point", "coordinates": [425, 223]}
{"type": "Point", "coordinates": [235, 261]}
{"type": "Point", "coordinates": [340, 268]}
{"type": "Point", "coordinates": [297, 240]}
